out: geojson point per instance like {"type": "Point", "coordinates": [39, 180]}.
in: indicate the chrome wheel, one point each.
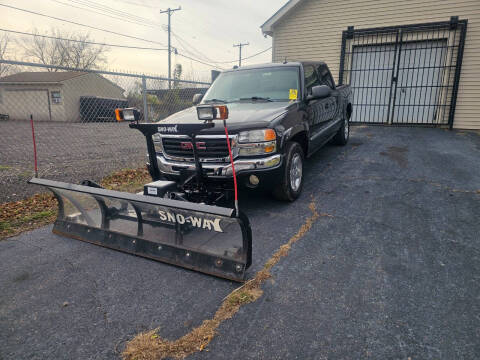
{"type": "Point", "coordinates": [345, 129]}
{"type": "Point", "coordinates": [296, 169]}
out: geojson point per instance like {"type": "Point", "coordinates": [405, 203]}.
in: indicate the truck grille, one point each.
{"type": "Point", "coordinates": [206, 147]}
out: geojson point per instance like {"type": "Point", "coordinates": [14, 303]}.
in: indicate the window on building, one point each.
{"type": "Point", "coordinates": [311, 78]}
{"type": "Point", "coordinates": [56, 97]}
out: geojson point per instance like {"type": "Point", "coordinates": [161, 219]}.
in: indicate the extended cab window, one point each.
{"type": "Point", "coordinates": [311, 78]}
{"type": "Point", "coordinates": [273, 83]}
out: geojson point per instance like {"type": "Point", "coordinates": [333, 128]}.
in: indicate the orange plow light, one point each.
{"type": "Point", "coordinates": [222, 112]}
{"type": "Point", "coordinates": [118, 115]}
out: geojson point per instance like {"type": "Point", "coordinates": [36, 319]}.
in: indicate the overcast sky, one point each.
{"type": "Point", "coordinates": [204, 29]}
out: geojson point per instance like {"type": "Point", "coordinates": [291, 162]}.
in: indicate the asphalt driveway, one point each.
{"type": "Point", "coordinates": [393, 273]}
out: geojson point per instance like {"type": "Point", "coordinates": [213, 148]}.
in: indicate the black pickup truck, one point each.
{"type": "Point", "coordinates": [279, 114]}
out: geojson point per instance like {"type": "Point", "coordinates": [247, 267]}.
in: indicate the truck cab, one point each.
{"type": "Point", "coordinates": [279, 114]}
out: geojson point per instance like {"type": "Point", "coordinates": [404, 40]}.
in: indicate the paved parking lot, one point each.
{"type": "Point", "coordinates": [393, 273]}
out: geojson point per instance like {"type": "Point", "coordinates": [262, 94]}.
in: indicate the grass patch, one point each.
{"type": "Point", "coordinates": [27, 214]}
{"type": "Point", "coordinates": [41, 209]}
{"type": "Point", "coordinates": [149, 345]}
{"type": "Point", "coordinates": [129, 180]}
{"type": "Point", "coordinates": [240, 298]}
{"type": "Point", "coordinates": [5, 167]}
{"type": "Point", "coordinates": [5, 226]}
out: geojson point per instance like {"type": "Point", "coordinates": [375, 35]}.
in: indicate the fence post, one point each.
{"type": "Point", "coordinates": [144, 94]}
{"type": "Point", "coordinates": [34, 146]}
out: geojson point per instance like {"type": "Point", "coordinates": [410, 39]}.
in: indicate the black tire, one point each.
{"type": "Point", "coordinates": [342, 136]}
{"type": "Point", "coordinates": [284, 190]}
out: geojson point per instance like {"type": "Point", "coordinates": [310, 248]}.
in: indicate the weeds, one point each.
{"type": "Point", "coordinates": [41, 209]}
{"type": "Point", "coordinates": [150, 346]}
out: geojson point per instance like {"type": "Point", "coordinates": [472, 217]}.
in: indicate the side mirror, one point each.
{"type": "Point", "coordinates": [319, 92]}
{"type": "Point", "coordinates": [197, 98]}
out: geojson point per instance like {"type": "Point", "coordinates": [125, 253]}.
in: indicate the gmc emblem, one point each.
{"type": "Point", "coordinates": [187, 145]}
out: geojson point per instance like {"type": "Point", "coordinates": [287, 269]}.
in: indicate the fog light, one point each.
{"type": "Point", "coordinates": [254, 180]}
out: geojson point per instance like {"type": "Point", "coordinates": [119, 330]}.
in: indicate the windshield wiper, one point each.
{"type": "Point", "coordinates": [255, 98]}
{"type": "Point", "coordinates": [214, 100]}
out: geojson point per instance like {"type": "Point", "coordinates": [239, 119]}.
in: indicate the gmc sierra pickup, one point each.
{"type": "Point", "coordinates": [279, 114]}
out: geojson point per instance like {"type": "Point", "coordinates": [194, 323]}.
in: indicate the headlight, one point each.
{"type": "Point", "coordinates": [157, 142]}
{"type": "Point", "coordinates": [255, 136]}
{"type": "Point", "coordinates": [257, 148]}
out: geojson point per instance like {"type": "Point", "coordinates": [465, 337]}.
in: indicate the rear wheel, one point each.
{"type": "Point", "coordinates": [341, 138]}
{"type": "Point", "coordinates": [291, 184]}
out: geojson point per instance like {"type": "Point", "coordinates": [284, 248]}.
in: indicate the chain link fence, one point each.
{"type": "Point", "coordinates": [73, 114]}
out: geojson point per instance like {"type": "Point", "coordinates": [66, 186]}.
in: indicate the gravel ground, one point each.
{"type": "Point", "coordinates": [66, 151]}
{"type": "Point", "coordinates": [394, 273]}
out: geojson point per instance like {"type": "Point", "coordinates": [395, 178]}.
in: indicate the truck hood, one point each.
{"type": "Point", "coordinates": [241, 115]}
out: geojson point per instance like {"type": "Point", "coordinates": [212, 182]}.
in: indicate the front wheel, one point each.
{"type": "Point", "coordinates": [291, 184]}
{"type": "Point", "coordinates": [341, 138]}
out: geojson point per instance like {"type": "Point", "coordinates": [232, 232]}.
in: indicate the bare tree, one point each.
{"type": "Point", "coordinates": [5, 69]}
{"type": "Point", "coordinates": [83, 55]}
{"type": "Point", "coordinates": [62, 49]}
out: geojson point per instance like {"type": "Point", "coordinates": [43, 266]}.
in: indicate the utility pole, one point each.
{"type": "Point", "coordinates": [169, 12]}
{"type": "Point", "coordinates": [240, 45]}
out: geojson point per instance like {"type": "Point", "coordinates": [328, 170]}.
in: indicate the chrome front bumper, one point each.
{"type": "Point", "coordinates": [171, 167]}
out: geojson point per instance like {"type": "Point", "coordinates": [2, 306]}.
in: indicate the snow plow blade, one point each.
{"type": "Point", "coordinates": [204, 238]}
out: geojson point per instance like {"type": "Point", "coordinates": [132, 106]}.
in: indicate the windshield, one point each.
{"type": "Point", "coordinates": [276, 84]}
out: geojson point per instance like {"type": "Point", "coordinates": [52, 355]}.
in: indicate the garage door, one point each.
{"type": "Point", "coordinates": [19, 104]}
{"type": "Point", "coordinates": [371, 80]}
{"type": "Point", "coordinates": [421, 65]}
{"type": "Point", "coordinates": [406, 75]}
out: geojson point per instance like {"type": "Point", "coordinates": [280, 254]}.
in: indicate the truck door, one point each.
{"type": "Point", "coordinates": [330, 104]}
{"type": "Point", "coordinates": [314, 107]}
{"type": "Point", "coordinates": [324, 111]}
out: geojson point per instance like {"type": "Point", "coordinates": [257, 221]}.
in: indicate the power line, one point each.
{"type": "Point", "coordinates": [194, 51]}
{"type": "Point", "coordinates": [137, 4]}
{"type": "Point", "coordinates": [97, 6]}
{"type": "Point", "coordinates": [82, 41]}
{"type": "Point", "coordinates": [198, 53]}
{"type": "Point", "coordinates": [104, 14]}
{"type": "Point", "coordinates": [120, 34]}
{"type": "Point", "coordinates": [110, 45]}
{"type": "Point", "coordinates": [259, 53]}
{"type": "Point", "coordinates": [199, 61]}
{"type": "Point", "coordinates": [80, 24]}
{"type": "Point", "coordinates": [245, 58]}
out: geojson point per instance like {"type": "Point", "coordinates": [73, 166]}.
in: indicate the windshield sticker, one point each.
{"type": "Point", "coordinates": [293, 94]}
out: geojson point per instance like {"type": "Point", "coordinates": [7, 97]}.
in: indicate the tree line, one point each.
{"type": "Point", "coordinates": [60, 48]}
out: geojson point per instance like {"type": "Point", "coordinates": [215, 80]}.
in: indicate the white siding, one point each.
{"type": "Point", "coordinates": [313, 31]}
{"type": "Point", "coordinates": [19, 101]}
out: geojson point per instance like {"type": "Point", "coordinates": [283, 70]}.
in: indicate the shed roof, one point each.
{"type": "Point", "coordinates": [41, 77]}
